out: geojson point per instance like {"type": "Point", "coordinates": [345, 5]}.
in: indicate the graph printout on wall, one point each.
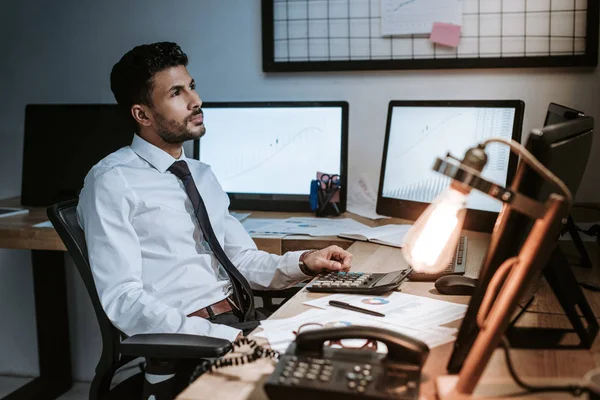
{"type": "Point", "coordinates": [336, 35]}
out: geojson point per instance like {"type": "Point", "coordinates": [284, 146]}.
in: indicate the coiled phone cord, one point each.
{"type": "Point", "coordinates": [254, 354]}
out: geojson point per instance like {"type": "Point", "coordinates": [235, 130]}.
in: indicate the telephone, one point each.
{"type": "Point", "coordinates": [308, 370]}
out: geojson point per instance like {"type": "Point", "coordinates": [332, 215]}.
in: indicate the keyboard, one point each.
{"type": "Point", "coordinates": [358, 282]}
{"type": "Point", "coordinates": [455, 267]}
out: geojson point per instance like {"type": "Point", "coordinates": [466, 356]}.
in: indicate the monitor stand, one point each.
{"type": "Point", "coordinates": [572, 300]}
{"type": "Point", "coordinates": [574, 233]}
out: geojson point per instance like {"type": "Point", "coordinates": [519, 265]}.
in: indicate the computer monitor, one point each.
{"type": "Point", "coordinates": [563, 148]}
{"type": "Point", "coordinates": [265, 154]}
{"type": "Point", "coordinates": [557, 113]}
{"type": "Point", "coordinates": [418, 131]}
{"type": "Point", "coordinates": [62, 142]}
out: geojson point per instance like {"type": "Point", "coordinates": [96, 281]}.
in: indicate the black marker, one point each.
{"type": "Point", "coordinates": [347, 306]}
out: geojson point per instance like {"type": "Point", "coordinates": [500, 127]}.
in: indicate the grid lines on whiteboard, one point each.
{"type": "Point", "coordinates": [350, 30]}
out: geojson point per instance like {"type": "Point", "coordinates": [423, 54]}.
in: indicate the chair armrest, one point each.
{"type": "Point", "coordinates": [174, 346]}
{"type": "Point", "coordinates": [283, 293]}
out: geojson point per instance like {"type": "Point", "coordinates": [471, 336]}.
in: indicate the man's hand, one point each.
{"type": "Point", "coordinates": [332, 258]}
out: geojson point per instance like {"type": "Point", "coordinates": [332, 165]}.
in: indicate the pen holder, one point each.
{"type": "Point", "coordinates": [322, 200]}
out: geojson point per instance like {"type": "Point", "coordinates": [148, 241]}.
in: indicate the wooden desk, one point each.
{"type": "Point", "coordinates": [50, 296]}
{"type": "Point", "coordinates": [535, 366]}
{"type": "Point", "coordinates": [50, 292]}
{"type": "Point", "coordinates": [17, 232]}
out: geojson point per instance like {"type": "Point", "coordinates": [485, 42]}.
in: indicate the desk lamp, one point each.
{"type": "Point", "coordinates": [430, 244]}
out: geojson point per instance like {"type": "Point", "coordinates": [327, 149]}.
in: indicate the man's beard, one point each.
{"type": "Point", "coordinates": [174, 132]}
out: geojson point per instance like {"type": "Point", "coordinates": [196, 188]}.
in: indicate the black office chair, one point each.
{"type": "Point", "coordinates": [160, 350]}
{"type": "Point", "coordinates": [268, 296]}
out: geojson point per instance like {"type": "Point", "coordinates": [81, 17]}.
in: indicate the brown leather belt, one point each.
{"type": "Point", "coordinates": [220, 307]}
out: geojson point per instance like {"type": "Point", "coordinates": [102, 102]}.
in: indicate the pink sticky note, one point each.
{"type": "Point", "coordinates": [445, 34]}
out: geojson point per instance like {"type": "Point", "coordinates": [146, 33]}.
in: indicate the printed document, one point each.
{"type": "Point", "coordinates": [281, 332]}
{"type": "Point", "coordinates": [307, 226]}
{"type": "Point", "coordinates": [400, 309]}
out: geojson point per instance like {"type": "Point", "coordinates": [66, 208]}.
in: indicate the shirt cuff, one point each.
{"type": "Point", "coordinates": [293, 266]}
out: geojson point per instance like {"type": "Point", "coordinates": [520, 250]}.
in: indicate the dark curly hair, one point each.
{"type": "Point", "coordinates": [131, 79]}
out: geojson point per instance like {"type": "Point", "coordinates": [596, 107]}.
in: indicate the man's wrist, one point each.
{"type": "Point", "coordinates": [305, 270]}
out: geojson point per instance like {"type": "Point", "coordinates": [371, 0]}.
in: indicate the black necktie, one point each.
{"type": "Point", "coordinates": [241, 288]}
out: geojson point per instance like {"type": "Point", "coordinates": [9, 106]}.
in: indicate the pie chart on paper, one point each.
{"type": "Point", "coordinates": [375, 301]}
{"type": "Point", "coordinates": [336, 324]}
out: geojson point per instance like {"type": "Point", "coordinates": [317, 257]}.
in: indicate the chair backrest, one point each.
{"type": "Point", "coordinates": [64, 219]}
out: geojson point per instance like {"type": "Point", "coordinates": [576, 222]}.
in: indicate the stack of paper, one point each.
{"type": "Point", "coordinates": [414, 316]}
{"type": "Point", "coordinates": [302, 226]}
{"type": "Point", "coordinates": [391, 235]}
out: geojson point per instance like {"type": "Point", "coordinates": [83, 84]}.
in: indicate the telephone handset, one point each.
{"type": "Point", "coordinates": [310, 370]}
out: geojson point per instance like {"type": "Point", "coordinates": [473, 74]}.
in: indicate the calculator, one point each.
{"type": "Point", "coordinates": [358, 282]}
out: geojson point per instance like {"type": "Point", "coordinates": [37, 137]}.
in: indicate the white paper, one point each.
{"type": "Point", "coordinates": [392, 234]}
{"type": "Point", "coordinates": [280, 333]}
{"type": "Point", "coordinates": [365, 210]}
{"type": "Point", "coordinates": [405, 17]}
{"type": "Point", "coordinates": [255, 226]}
{"type": "Point", "coordinates": [45, 224]}
{"type": "Point", "coordinates": [10, 211]}
{"type": "Point", "coordinates": [239, 216]}
{"type": "Point", "coordinates": [400, 309]}
{"type": "Point", "coordinates": [310, 226]}
{"type": "Point", "coordinates": [362, 199]}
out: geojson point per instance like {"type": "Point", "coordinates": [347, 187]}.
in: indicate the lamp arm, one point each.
{"type": "Point", "coordinates": [494, 287]}
{"type": "Point", "coordinates": [464, 175]}
{"type": "Point", "coordinates": [537, 166]}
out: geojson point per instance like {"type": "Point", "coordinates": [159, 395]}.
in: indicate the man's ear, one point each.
{"type": "Point", "coordinates": [140, 114]}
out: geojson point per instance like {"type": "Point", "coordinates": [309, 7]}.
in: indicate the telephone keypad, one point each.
{"type": "Point", "coordinates": [360, 379]}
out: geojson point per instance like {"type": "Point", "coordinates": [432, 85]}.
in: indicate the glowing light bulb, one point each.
{"type": "Point", "coordinates": [431, 242]}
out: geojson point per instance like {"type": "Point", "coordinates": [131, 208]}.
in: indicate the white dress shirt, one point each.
{"type": "Point", "coordinates": [150, 263]}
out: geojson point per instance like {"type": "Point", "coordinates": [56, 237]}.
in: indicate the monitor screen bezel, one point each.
{"type": "Point", "coordinates": [476, 220]}
{"type": "Point", "coordinates": [276, 201]}
{"type": "Point", "coordinates": [566, 113]}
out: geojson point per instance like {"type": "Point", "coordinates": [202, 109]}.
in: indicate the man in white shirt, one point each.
{"type": "Point", "coordinates": [153, 268]}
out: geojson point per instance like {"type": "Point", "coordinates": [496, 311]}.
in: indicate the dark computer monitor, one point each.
{"type": "Point", "coordinates": [62, 142]}
{"type": "Point", "coordinates": [563, 148]}
{"type": "Point", "coordinates": [265, 154]}
{"type": "Point", "coordinates": [558, 113]}
{"type": "Point", "coordinates": [418, 131]}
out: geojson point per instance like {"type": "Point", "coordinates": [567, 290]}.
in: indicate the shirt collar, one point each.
{"type": "Point", "coordinates": [159, 159]}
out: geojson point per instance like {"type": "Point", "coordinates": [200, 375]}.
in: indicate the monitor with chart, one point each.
{"type": "Point", "coordinates": [419, 131]}
{"type": "Point", "coordinates": [265, 154]}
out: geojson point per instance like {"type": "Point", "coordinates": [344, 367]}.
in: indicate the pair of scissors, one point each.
{"type": "Point", "coordinates": [329, 186]}
{"type": "Point", "coordinates": [330, 181]}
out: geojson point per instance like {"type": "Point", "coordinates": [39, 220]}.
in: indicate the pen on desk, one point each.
{"type": "Point", "coordinates": [347, 306]}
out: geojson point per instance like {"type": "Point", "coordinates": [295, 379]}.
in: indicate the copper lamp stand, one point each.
{"type": "Point", "coordinates": [512, 278]}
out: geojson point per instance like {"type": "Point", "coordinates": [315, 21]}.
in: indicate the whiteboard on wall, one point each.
{"type": "Point", "coordinates": [316, 35]}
